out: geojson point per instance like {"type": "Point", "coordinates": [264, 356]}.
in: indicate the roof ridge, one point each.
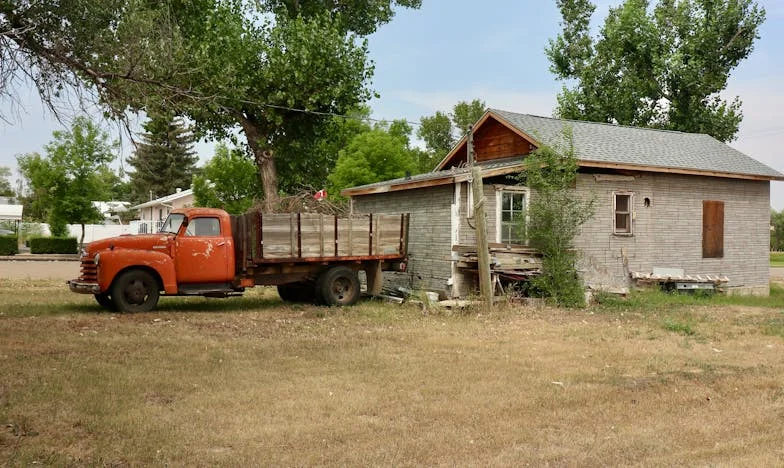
{"type": "Point", "coordinates": [602, 123]}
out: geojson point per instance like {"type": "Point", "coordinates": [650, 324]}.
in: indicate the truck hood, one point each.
{"type": "Point", "coordinates": [139, 242]}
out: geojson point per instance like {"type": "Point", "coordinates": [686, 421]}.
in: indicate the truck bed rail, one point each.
{"type": "Point", "coordinates": [261, 238]}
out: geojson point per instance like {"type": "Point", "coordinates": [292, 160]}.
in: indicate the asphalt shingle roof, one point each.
{"type": "Point", "coordinates": [641, 146]}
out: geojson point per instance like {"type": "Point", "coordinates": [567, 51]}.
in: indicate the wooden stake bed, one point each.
{"type": "Point", "coordinates": [315, 238]}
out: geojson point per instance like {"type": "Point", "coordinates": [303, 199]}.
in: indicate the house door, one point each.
{"type": "Point", "coordinates": [201, 253]}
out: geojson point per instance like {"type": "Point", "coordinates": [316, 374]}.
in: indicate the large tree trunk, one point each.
{"type": "Point", "coordinates": [265, 160]}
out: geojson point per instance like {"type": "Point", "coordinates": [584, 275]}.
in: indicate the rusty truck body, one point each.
{"type": "Point", "coordinates": [207, 252]}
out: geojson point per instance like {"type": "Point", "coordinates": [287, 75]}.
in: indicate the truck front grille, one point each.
{"type": "Point", "coordinates": [89, 270]}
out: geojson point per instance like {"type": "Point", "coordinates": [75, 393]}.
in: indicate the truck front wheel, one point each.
{"type": "Point", "coordinates": [338, 286]}
{"type": "Point", "coordinates": [105, 301]}
{"type": "Point", "coordinates": [135, 291]}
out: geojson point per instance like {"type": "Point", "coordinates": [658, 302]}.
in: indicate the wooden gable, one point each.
{"type": "Point", "coordinates": [493, 139]}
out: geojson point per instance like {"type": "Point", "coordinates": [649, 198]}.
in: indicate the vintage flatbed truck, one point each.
{"type": "Point", "coordinates": [207, 252]}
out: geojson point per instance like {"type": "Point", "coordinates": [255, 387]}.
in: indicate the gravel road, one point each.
{"type": "Point", "coordinates": [20, 269]}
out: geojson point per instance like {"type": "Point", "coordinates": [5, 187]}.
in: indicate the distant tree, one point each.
{"type": "Point", "coordinates": [373, 156]}
{"type": "Point", "coordinates": [441, 131]}
{"type": "Point", "coordinates": [229, 181]}
{"type": "Point", "coordinates": [305, 162]}
{"type": "Point", "coordinates": [465, 114]}
{"type": "Point", "coordinates": [68, 179]}
{"type": "Point", "coordinates": [164, 160]}
{"type": "Point", "coordinates": [6, 190]}
{"type": "Point", "coordinates": [662, 67]}
{"type": "Point", "coordinates": [777, 233]}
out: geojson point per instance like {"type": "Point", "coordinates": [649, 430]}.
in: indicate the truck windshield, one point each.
{"type": "Point", "coordinates": [172, 223]}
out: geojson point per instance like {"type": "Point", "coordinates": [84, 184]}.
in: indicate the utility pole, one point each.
{"type": "Point", "coordinates": [482, 247]}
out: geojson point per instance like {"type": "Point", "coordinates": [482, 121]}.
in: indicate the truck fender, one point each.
{"type": "Point", "coordinates": [114, 261]}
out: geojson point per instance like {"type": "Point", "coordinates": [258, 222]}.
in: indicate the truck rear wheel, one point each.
{"type": "Point", "coordinates": [105, 301]}
{"type": "Point", "coordinates": [135, 291]}
{"type": "Point", "coordinates": [338, 286]}
{"type": "Point", "coordinates": [302, 291]}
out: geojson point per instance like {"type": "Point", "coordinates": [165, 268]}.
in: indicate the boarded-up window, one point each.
{"type": "Point", "coordinates": [622, 213]}
{"type": "Point", "coordinates": [712, 229]}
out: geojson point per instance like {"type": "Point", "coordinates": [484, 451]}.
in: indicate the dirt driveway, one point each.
{"type": "Point", "coordinates": [20, 269]}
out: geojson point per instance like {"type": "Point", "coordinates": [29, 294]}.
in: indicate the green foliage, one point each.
{"type": "Point", "coordinates": [322, 147]}
{"type": "Point", "coordinates": [228, 63]}
{"type": "Point", "coordinates": [777, 234]}
{"type": "Point", "coordinates": [229, 181]}
{"type": "Point", "coordinates": [53, 245]}
{"type": "Point", "coordinates": [656, 300]}
{"type": "Point", "coordinates": [373, 156]}
{"type": "Point", "coordinates": [164, 160]}
{"type": "Point", "coordinates": [65, 182]}
{"type": "Point", "coordinates": [555, 214]}
{"type": "Point", "coordinates": [5, 184]}
{"type": "Point", "coordinates": [9, 245]}
{"type": "Point", "coordinates": [662, 67]}
{"type": "Point", "coordinates": [438, 130]}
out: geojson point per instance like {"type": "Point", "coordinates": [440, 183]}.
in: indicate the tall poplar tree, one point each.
{"type": "Point", "coordinates": [164, 160]}
{"type": "Point", "coordinates": [661, 66]}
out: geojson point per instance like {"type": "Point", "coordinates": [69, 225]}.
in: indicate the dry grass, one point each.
{"type": "Point", "coordinates": [250, 381]}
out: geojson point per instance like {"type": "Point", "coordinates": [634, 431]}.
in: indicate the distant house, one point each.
{"type": "Point", "coordinates": [111, 209]}
{"type": "Point", "coordinates": [154, 212]}
{"type": "Point", "coordinates": [664, 200]}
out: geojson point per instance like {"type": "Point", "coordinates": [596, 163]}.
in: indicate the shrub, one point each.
{"type": "Point", "coordinates": [53, 245]}
{"type": "Point", "coordinates": [9, 245]}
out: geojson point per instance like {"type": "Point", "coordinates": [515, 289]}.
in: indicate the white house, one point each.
{"type": "Point", "coordinates": [154, 212]}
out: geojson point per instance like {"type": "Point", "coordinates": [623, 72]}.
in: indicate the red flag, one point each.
{"type": "Point", "coordinates": [320, 195]}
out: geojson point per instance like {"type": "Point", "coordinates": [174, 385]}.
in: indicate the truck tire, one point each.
{"type": "Point", "coordinates": [302, 291]}
{"type": "Point", "coordinates": [105, 301]}
{"type": "Point", "coordinates": [135, 291]}
{"type": "Point", "coordinates": [338, 286]}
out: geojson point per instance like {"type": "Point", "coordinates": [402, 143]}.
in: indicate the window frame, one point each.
{"type": "Point", "coordinates": [629, 214]}
{"type": "Point", "coordinates": [192, 223]}
{"type": "Point", "coordinates": [500, 190]}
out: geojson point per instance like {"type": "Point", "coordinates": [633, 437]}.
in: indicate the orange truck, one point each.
{"type": "Point", "coordinates": [207, 252]}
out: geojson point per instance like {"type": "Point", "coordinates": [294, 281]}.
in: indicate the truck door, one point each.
{"type": "Point", "coordinates": [201, 253]}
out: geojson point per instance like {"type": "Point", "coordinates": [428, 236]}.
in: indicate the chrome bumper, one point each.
{"type": "Point", "coordinates": [82, 287]}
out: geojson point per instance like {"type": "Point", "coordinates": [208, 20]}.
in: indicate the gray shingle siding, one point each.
{"type": "Point", "coordinates": [669, 232]}
{"type": "Point", "coordinates": [430, 240]}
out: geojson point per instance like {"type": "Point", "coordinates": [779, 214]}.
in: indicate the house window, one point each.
{"type": "Point", "coordinates": [712, 229]}
{"type": "Point", "coordinates": [622, 213]}
{"type": "Point", "coordinates": [511, 204]}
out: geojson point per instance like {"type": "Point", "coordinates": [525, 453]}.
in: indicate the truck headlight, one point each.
{"type": "Point", "coordinates": [97, 258]}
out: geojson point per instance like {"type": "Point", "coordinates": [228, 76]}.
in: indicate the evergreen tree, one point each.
{"type": "Point", "coordinates": [164, 160]}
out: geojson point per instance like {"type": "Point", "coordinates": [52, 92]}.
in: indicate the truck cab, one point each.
{"type": "Point", "coordinates": [193, 254]}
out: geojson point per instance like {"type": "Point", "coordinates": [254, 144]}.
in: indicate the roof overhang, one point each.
{"type": "Point", "coordinates": [676, 170]}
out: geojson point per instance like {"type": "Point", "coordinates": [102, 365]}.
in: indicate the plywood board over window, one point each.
{"type": "Point", "coordinates": [712, 229]}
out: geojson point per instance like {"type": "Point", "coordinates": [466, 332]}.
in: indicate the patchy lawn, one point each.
{"type": "Point", "coordinates": [651, 380]}
{"type": "Point", "coordinates": [777, 259]}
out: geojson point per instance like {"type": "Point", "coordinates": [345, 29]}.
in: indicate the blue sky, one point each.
{"type": "Point", "coordinates": [451, 50]}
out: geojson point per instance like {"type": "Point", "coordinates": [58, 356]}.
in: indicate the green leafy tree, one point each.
{"type": "Point", "coordinates": [164, 160]}
{"type": "Point", "coordinates": [555, 214]}
{"type": "Point", "coordinates": [777, 233]}
{"type": "Point", "coordinates": [440, 131]}
{"type": "Point", "coordinates": [465, 114]}
{"type": "Point", "coordinates": [372, 156]}
{"type": "Point", "coordinates": [229, 63]}
{"type": "Point", "coordinates": [661, 67]}
{"type": "Point", "coordinates": [6, 190]}
{"type": "Point", "coordinates": [68, 179]}
{"type": "Point", "coordinates": [305, 163]}
{"type": "Point", "coordinates": [228, 181]}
